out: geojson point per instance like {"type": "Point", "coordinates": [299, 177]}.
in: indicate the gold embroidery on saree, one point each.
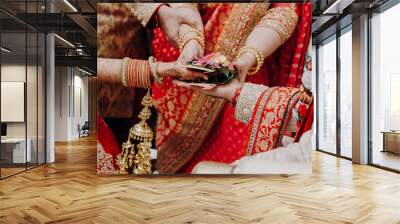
{"type": "Point", "coordinates": [256, 122]}
{"type": "Point", "coordinates": [243, 19]}
{"type": "Point", "coordinates": [188, 133]}
{"type": "Point", "coordinates": [104, 161]}
{"type": "Point", "coordinates": [247, 101]}
{"type": "Point", "coordinates": [282, 20]}
{"type": "Point", "coordinates": [295, 96]}
{"type": "Point", "coordinates": [272, 115]}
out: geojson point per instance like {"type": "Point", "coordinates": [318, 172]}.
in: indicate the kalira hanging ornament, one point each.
{"type": "Point", "coordinates": [138, 160]}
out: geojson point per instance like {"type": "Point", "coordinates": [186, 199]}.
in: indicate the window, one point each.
{"type": "Point", "coordinates": [346, 92]}
{"type": "Point", "coordinates": [22, 78]}
{"type": "Point", "coordinates": [334, 137]}
{"type": "Point", "coordinates": [385, 89]}
{"type": "Point", "coordinates": [326, 136]}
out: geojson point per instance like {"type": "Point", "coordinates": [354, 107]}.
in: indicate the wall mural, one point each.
{"type": "Point", "coordinates": [217, 88]}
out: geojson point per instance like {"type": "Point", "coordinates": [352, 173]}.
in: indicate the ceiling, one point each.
{"type": "Point", "coordinates": [72, 20]}
{"type": "Point", "coordinates": [332, 15]}
{"type": "Point", "coordinates": [75, 22]}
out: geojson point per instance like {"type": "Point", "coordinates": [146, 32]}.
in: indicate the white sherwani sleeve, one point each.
{"type": "Point", "coordinates": [294, 158]}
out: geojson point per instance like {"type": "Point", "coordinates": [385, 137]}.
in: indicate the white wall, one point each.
{"type": "Point", "coordinates": [61, 103]}
{"type": "Point", "coordinates": [10, 73]}
{"type": "Point", "coordinates": [33, 126]}
{"type": "Point", "coordinates": [16, 73]}
{"type": "Point", "coordinates": [71, 94]}
{"type": "Point", "coordinates": [80, 84]}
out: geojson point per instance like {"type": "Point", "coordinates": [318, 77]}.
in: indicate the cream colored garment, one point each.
{"type": "Point", "coordinates": [294, 158]}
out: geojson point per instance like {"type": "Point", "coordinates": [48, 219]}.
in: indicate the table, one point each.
{"type": "Point", "coordinates": [13, 150]}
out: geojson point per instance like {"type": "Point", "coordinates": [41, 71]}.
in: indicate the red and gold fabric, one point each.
{"type": "Point", "coordinates": [107, 149]}
{"type": "Point", "coordinates": [282, 20]}
{"type": "Point", "coordinates": [268, 115]}
{"type": "Point", "coordinates": [193, 127]}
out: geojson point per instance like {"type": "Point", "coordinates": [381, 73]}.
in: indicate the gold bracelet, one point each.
{"type": "Point", "coordinates": [153, 69]}
{"type": "Point", "coordinates": [197, 33]}
{"type": "Point", "coordinates": [123, 71]}
{"type": "Point", "coordinates": [257, 54]}
{"type": "Point", "coordinates": [197, 38]}
{"type": "Point", "coordinates": [160, 79]}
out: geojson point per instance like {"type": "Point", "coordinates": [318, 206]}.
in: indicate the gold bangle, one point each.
{"type": "Point", "coordinates": [197, 33]}
{"type": "Point", "coordinates": [198, 39]}
{"type": "Point", "coordinates": [160, 79]}
{"type": "Point", "coordinates": [257, 54]}
{"type": "Point", "coordinates": [184, 39]}
{"type": "Point", "coordinates": [123, 71]}
{"type": "Point", "coordinates": [153, 69]}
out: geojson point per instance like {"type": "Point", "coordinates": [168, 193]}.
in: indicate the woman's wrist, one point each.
{"type": "Point", "coordinates": [189, 35]}
{"type": "Point", "coordinates": [185, 29]}
{"type": "Point", "coordinates": [166, 69]}
{"type": "Point", "coordinates": [235, 92]}
{"type": "Point", "coordinates": [256, 59]}
{"type": "Point", "coordinates": [154, 70]}
{"type": "Point", "coordinates": [249, 58]}
{"type": "Point", "coordinates": [163, 68]}
{"type": "Point", "coordinates": [194, 42]}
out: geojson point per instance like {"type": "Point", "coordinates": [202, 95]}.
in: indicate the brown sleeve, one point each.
{"type": "Point", "coordinates": [144, 11]}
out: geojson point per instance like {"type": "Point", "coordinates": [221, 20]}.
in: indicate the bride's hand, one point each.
{"type": "Point", "coordinates": [179, 71]}
{"type": "Point", "coordinates": [226, 91]}
{"type": "Point", "coordinates": [191, 51]}
{"type": "Point", "coordinates": [243, 64]}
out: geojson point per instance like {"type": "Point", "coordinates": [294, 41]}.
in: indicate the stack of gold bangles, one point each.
{"type": "Point", "coordinates": [256, 53]}
{"type": "Point", "coordinates": [185, 38]}
{"type": "Point", "coordinates": [135, 73]}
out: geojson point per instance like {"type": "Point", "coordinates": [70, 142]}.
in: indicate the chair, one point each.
{"type": "Point", "coordinates": [84, 130]}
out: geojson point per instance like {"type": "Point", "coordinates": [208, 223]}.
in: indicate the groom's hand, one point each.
{"type": "Point", "coordinates": [171, 19]}
{"type": "Point", "coordinates": [179, 71]}
{"type": "Point", "coordinates": [226, 91]}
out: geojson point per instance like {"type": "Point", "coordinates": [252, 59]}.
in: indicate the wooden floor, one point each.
{"type": "Point", "coordinates": [387, 159]}
{"type": "Point", "coordinates": [5, 172]}
{"type": "Point", "coordinates": [70, 192]}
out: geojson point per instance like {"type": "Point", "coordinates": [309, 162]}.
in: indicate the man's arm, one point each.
{"type": "Point", "coordinates": [169, 16]}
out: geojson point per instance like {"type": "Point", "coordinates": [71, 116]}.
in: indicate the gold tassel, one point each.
{"type": "Point", "coordinates": [138, 162]}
